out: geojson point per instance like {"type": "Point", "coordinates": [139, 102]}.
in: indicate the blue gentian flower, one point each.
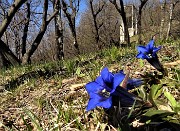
{"type": "Point", "coordinates": [102, 89]}
{"type": "Point", "coordinates": [148, 52]}
{"type": "Point", "coordinates": [107, 86]}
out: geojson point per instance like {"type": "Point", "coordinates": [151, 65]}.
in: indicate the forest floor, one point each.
{"type": "Point", "coordinates": [52, 96]}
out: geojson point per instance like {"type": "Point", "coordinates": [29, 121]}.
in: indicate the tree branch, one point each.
{"type": "Point", "coordinates": [14, 8]}
{"type": "Point", "coordinates": [52, 16]}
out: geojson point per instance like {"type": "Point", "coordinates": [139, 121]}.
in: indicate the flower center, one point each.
{"type": "Point", "coordinates": [149, 55]}
{"type": "Point", "coordinates": [104, 93]}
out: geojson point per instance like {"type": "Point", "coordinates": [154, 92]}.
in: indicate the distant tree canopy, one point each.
{"type": "Point", "coordinates": [43, 30]}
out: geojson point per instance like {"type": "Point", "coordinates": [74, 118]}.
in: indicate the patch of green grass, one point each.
{"type": "Point", "coordinates": [71, 66]}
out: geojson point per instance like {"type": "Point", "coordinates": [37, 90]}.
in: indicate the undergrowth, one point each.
{"type": "Point", "coordinates": [43, 99]}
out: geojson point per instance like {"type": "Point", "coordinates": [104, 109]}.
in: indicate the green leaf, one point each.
{"type": "Point", "coordinates": [154, 93]}
{"type": "Point", "coordinates": [27, 125]}
{"type": "Point", "coordinates": [177, 109]}
{"type": "Point", "coordinates": [172, 120]}
{"type": "Point", "coordinates": [142, 93]}
{"type": "Point", "coordinates": [78, 71]}
{"type": "Point", "coordinates": [133, 106]}
{"type": "Point", "coordinates": [33, 118]}
{"type": "Point", "coordinates": [141, 62]}
{"type": "Point", "coordinates": [158, 92]}
{"type": "Point", "coordinates": [171, 99]}
{"type": "Point", "coordinates": [151, 113]}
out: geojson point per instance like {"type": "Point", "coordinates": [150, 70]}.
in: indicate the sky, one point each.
{"type": "Point", "coordinates": [82, 8]}
{"type": "Point", "coordinates": [83, 5]}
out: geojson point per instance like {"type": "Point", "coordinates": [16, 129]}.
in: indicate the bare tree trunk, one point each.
{"type": "Point", "coordinates": [71, 20]}
{"type": "Point", "coordinates": [6, 55]}
{"type": "Point", "coordinates": [123, 15]}
{"type": "Point", "coordinates": [172, 6]}
{"type": "Point", "coordinates": [25, 31]}
{"type": "Point", "coordinates": [163, 9]}
{"type": "Point", "coordinates": [170, 21]}
{"type": "Point", "coordinates": [94, 14]}
{"type": "Point", "coordinates": [17, 43]}
{"type": "Point", "coordinates": [139, 26]}
{"type": "Point", "coordinates": [3, 62]}
{"type": "Point", "coordinates": [5, 33]}
{"type": "Point", "coordinates": [58, 31]}
{"type": "Point", "coordinates": [27, 56]}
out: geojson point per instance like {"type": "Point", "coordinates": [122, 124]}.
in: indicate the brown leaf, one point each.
{"type": "Point", "coordinates": [175, 63]}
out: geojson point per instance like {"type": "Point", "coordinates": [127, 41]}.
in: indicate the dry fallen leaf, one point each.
{"type": "Point", "coordinates": [76, 87]}
{"type": "Point", "coordinates": [175, 63]}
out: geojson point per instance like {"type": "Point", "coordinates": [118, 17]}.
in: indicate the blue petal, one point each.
{"type": "Point", "coordinates": [156, 49]}
{"type": "Point", "coordinates": [106, 75]}
{"type": "Point", "coordinates": [118, 78]}
{"type": "Point", "coordinates": [122, 72]}
{"type": "Point", "coordinates": [99, 101]}
{"type": "Point", "coordinates": [106, 104]}
{"type": "Point", "coordinates": [93, 87]}
{"type": "Point", "coordinates": [150, 45]}
{"type": "Point", "coordinates": [141, 56]}
{"type": "Point", "coordinates": [92, 104]}
{"type": "Point", "coordinates": [100, 81]}
{"type": "Point", "coordinates": [142, 49]}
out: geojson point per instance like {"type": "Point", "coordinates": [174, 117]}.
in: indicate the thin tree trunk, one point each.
{"type": "Point", "coordinates": [25, 31]}
{"type": "Point", "coordinates": [123, 15]}
{"type": "Point", "coordinates": [139, 26]}
{"type": "Point", "coordinates": [163, 9]}
{"type": "Point", "coordinates": [27, 56]}
{"type": "Point", "coordinates": [71, 21]}
{"type": "Point", "coordinates": [170, 21]}
{"type": "Point", "coordinates": [58, 31]}
{"type": "Point", "coordinates": [172, 6]}
{"type": "Point", "coordinates": [94, 14]}
{"type": "Point", "coordinates": [139, 30]}
{"type": "Point", "coordinates": [17, 43]}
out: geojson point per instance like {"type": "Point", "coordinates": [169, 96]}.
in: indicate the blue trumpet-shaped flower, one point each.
{"type": "Point", "coordinates": [106, 86]}
{"type": "Point", "coordinates": [102, 89]}
{"type": "Point", "coordinates": [148, 52]}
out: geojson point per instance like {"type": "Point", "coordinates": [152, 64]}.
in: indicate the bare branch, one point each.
{"type": "Point", "coordinates": [14, 7]}
{"type": "Point", "coordinates": [52, 16]}
{"type": "Point", "coordinates": [116, 6]}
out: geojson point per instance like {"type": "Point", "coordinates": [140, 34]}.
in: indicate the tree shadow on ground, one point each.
{"type": "Point", "coordinates": [13, 84]}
